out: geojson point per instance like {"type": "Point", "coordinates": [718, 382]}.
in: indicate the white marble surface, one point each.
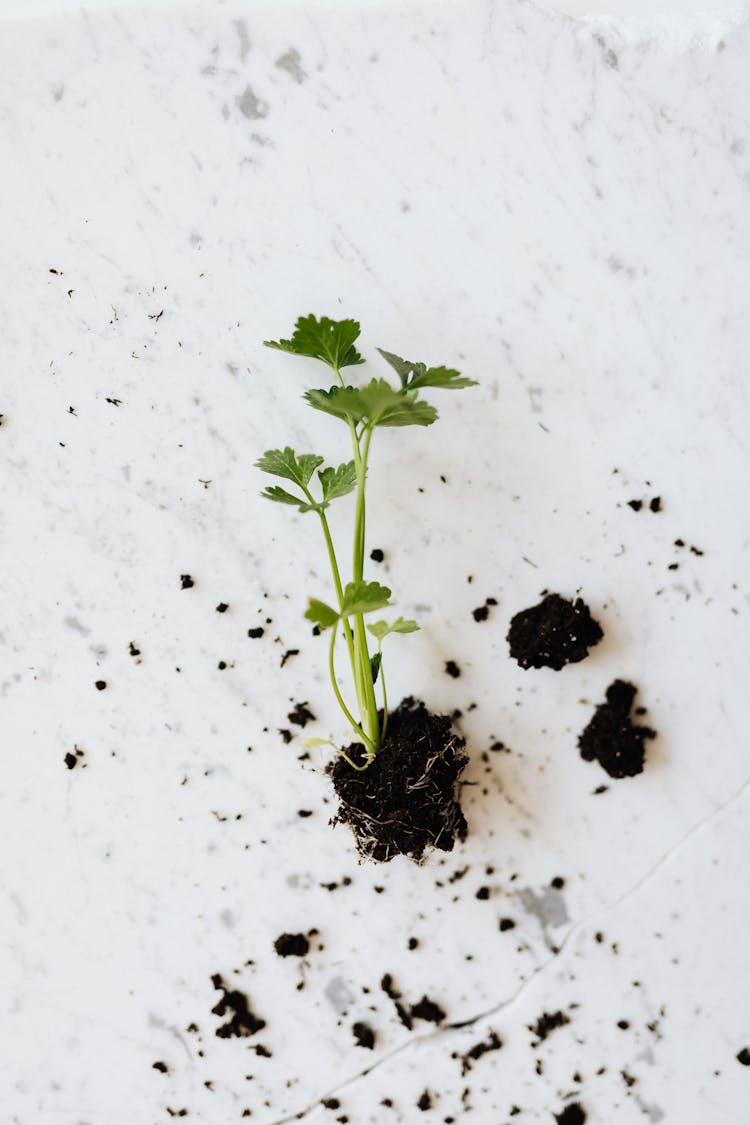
{"type": "Point", "coordinates": [559, 208]}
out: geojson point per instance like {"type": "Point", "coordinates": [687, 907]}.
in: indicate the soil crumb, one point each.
{"type": "Point", "coordinates": [554, 633]}
{"type": "Point", "coordinates": [492, 1043]}
{"type": "Point", "coordinates": [242, 1022]}
{"type": "Point", "coordinates": [611, 738]}
{"type": "Point", "coordinates": [364, 1035]}
{"type": "Point", "coordinates": [292, 945]}
{"type": "Point", "coordinates": [405, 802]}
{"type": "Point", "coordinates": [573, 1114]}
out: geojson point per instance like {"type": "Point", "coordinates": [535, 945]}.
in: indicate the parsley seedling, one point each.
{"type": "Point", "coordinates": [362, 409]}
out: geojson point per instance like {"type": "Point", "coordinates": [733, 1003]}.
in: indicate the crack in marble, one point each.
{"type": "Point", "coordinates": [460, 1025]}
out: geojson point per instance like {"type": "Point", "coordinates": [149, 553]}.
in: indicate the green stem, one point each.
{"type": "Point", "coordinates": [369, 746]}
{"type": "Point", "coordinates": [363, 667]}
{"type": "Point", "coordinates": [384, 728]}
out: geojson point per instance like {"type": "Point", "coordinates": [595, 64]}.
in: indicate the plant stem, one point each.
{"type": "Point", "coordinates": [370, 747]}
{"type": "Point", "coordinates": [362, 667]}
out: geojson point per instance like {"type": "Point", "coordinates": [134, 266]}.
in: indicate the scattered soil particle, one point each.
{"type": "Point", "coordinates": [413, 943]}
{"type": "Point", "coordinates": [133, 650]}
{"type": "Point", "coordinates": [161, 1067]}
{"type": "Point", "coordinates": [377, 555]}
{"type": "Point", "coordinates": [558, 882]}
{"type": "Point", "coordinates": [292, 945]}
{"type": "Point", "coordinates": [301, 715]}
{"type": "Point", "coordinates": [492, 1043]}
{"type": "Point", "coordinates": [364, 1035]}
{"type": "Point", "coordinates": [554, 633]}
{"type": "Point", "coordinates": [547, 1023]}
{"type": "Point", "coordinates": [331, 1103]}
{"type": "Point", "coordinates": [743, 1056]}
{"type": "Point", "coordinates": [290, 652]}
{"type": "Point", "coordinates": [655, 504]}
{"type": "Point", "coordinates": [483, 894]}
{"type": "Point", "coordinates": [222, 607]}
{"type": "Point", "coordinates": [304, 813]}
{"type": "Point", "coordinates": [242, 1022]}
{"type": "Point", "coordinates": [425, 1101]}
{"type": "Point", "coordinates": [286, 735]}
{"type": "Point", "coordinates": [186, 582]}
{"type": "Point", "coordinates": [427, 1010]}
{"type": "Point", "coordinates": [612, 738]}
{"type": "Point", "coordinates": [405, 801]}
{"type": "Point", "coordinates": [393, 994]}
{"type": "Point", "coordinates": [636, 505]}
{"type": "Point", "coordinates": [573, 1114]}
{"type": "Point", "coordinates": [71, 761]}
{"type": "Point", "coordinates": [100, 685]}
{"type": "Point", "coordinates": [258, 631]}
{"type": "Point", "coordinates": [452, 669]}
{"type": "Point", "coordinates": [507, 924]}
{"type": "Point", "coordinates": [481, 613]}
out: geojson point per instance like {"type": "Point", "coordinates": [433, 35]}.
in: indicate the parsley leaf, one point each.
{"type": "Point", "coordinates": [285, 463]}
{"type": "Point", "coordinates": [281, 496]}
{"type": "Point", "coordinates": [376, 404]}
{"type": "Point", "coordinates": [381, 629]}
{"type": "Point", "coordinates": [338, 482]}
{"type": "Point", "coordinates": [416, 375]}
{"type": "Point", "coordinates": [364, 597]}
{"type": "Point", "coordinates": [331, 341]}
{"type": "Point", "coordinates": [321, 614]}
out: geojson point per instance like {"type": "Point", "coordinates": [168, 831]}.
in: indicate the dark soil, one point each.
{"type": "Point", "coordinates": [292, 945]}
{"type": "Point", "coordinates": [554, 633]}
{"type": "Point", "coordinates": [611, 738]}
{"type": "Point", "coordinates": [547, 1022]}
{"type": "Point", "coordinates": [242, 1021]}
{"type": "Point", "coordinates": [573, 1114]}
{"type": "Point", "coordinates": [405, 802]}
{"type": "Point", "coordinates": [492, 1043]}
{"type": "Point", "coordinates": [364, 1035]}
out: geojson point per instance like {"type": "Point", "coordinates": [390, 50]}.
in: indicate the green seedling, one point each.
{"type": "Point", "coordinates": [362, 410]}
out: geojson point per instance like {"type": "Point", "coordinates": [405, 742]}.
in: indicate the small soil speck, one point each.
{"type": "Point", "coordinates": [573, 1114]}
{"type": "Point", "coordinates": [507, 924]}
{"type": "Point", "coordinates": [452, 669]}
{"type": "Point", "coordinates": [292, 945]}
{"type": "Point", "coordinates": [256, 632]}
{"type": "Point", "coordinates": [100, 685]}
{"type": "Point", "coordinates": [222, 607]}
{"type": "Point", "coordinates": [186, 582]}
{"type": "Point", "coordinates": [377, 555]}
{"type": "Point", "coordinates": [743, 1056]}
{"type": "Point", "coordinates": [364, 1035]}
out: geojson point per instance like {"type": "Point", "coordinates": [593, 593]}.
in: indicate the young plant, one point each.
{"type": "Point", "coordinates": [362, 410]}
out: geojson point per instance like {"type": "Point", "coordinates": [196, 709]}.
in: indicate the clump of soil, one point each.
{"type": "Point", "coordinates": [405, 801]}
{"type": "Point", "coordinates": [573, 1114]}
{"type": "Point", "coordinates": [292, 945]}
{"type": "Point", "coordinates": [611, 738]}
{"type": "Point", "coordinates": [364, 1036]}
{"type": "Point", "coordinates": [242, 1022]}
{"type": "Point", "coordinates": [554, 633]}
{"type": "Point", "coordinates": [492, 1043]}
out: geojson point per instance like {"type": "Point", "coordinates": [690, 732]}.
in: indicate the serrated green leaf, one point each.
{"type": "Point", "coordinates": [446, 378]}
{"type": "Point", "coordinates": [364, 597]}
{"type": "Point", "coordinates": [375, 661]}
{"type": "Point", "coordinates": [381, 629]}
{"type": "Point", "coordinates": [331, 341]}
{"type": "Point", "coordinates": [281, 496]}
{"type": "Point", "coordinates": [338, 482]}
{"type": "Point", "coordinates": [321, 614]}
{"type": "Point", "coordinates": [416, 375]}
{"type": "Point", "coordinates": [377, 404]}
{"type": "Point", "coordinates": [286, 463]}
{"type": "Point", "coordinates": [402, 367]}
